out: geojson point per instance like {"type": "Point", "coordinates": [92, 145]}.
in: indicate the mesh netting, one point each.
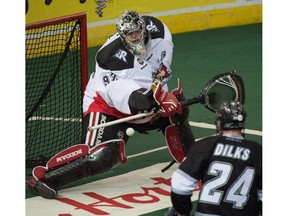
{"type": "Point", "coordinates": [53, 89]}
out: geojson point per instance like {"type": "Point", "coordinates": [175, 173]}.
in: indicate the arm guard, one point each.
{"type": "Point", "coordinates": [141, 102]}
{"type": "Point", "coordinates": [181, 203]}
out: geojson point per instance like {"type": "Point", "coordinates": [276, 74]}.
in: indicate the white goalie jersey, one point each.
{"type": "Point", "coordinates": [118, 72]}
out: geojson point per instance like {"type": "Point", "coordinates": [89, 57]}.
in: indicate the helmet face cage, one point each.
{"type": "Point", "coordinates": [231, 115]}
{"type": "Point", "coordinates": [128, 22]}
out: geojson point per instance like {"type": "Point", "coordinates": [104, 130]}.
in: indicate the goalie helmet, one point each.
{"type": "Point", "coordinates": [130, 23]}
{"type": "Point", "coordinates": [230, 115]}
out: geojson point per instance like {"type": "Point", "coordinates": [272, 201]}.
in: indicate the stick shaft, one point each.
{"type": "Point", "coordinates": [191, 101]}
{"type": "Point", "coordinates": [142, 115]}
{"type": "Point", "coordinates": [129, 118]}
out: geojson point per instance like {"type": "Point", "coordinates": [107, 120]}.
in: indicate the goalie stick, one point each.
{"type": "Point", "coordinates": [222, 87]}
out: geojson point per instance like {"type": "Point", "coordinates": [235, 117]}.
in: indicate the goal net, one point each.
{"type": "Point", "coordinates": [56, 75]}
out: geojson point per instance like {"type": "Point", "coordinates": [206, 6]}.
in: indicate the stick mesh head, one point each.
{"type": "Point", "coordinates": [223, 87]}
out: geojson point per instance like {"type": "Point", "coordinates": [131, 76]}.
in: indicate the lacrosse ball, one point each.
{"type": "Point", "coordinates": [130, 131]}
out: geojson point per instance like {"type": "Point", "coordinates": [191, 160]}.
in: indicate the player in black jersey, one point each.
{"type": "Point", "coordinates": [229, 166]}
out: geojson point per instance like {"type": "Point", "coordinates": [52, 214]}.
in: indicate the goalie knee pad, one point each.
{"type": "Point", "coordinates": [104, 158]}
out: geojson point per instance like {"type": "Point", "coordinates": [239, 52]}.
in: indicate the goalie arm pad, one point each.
{"type": "Point", "coordinates": [156, 97]}
{"type": "Point", "coordinates": [141, 102]}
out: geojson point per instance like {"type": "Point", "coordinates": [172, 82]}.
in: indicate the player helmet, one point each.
{"type": "Point", "coordinates": [230, 115]}
{"type": "Point", "coordinates": [129, 24]}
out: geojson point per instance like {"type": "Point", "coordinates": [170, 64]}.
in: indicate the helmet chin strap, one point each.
{"type": "Point", "coordinates": [140, 50]}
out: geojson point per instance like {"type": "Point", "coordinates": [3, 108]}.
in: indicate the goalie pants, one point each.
{"type": "Point", "coordinates": [107, 157]}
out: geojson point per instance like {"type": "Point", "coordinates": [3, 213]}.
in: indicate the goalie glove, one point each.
{"type": "Point", "coordinates": [167, 101]}
{"type": "Point", "coordinates": [177, 91]}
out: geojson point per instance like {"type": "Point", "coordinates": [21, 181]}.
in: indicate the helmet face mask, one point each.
{"type": "Point", "coordinates": [132, 29]}
{"type": "Point", "coordinates": [230, 116]}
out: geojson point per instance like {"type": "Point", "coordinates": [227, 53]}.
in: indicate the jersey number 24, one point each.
{"type": "Point", "coordinates": [238, 192]}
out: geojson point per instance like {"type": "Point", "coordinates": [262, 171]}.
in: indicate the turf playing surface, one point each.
{"type": "Point", "coordinates": [198, 56]}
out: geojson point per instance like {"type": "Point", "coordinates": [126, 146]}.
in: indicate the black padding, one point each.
{"type": "Point", "coordinates": [182, 203]}
{"type": "Point", "coordinates": [140, 102]}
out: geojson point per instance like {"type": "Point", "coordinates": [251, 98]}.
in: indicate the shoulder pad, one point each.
{"type": "Point", "coordinates": [115, 56]}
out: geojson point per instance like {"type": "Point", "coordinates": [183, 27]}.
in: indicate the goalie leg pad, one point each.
{"type": "Point", "coordinates": [181, 123]}
{"type": "Point", "coordinates": [174, 143]}
{"type": "Point", "coordinates": [185, 133]}
{"type": "Point", "coordinates": [101, 159]}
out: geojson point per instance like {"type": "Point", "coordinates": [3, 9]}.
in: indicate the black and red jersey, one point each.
{"type": "Point", "coordinates": [230, 169]}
